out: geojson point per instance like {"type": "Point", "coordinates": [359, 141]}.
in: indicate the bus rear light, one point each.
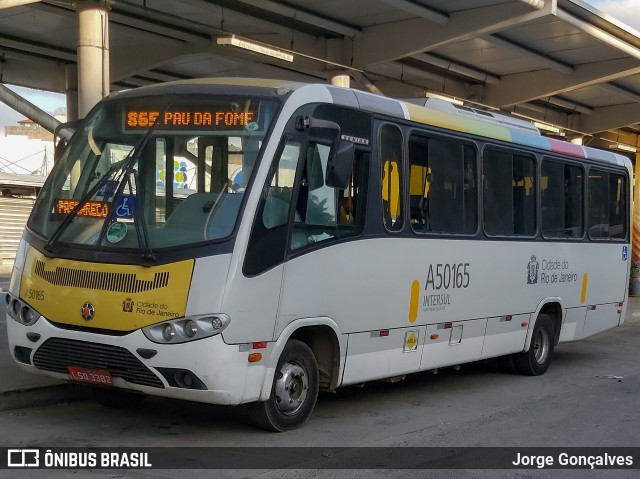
{"type": "Point", "coordinates": [384, 333]}
{"type": "Point", "coordinates": [620, 305]}
{"type": "Point", "coordinates": [508, 318]}
{"type": "Point", "coordinates": [255, 357]}
{"type": "Point", "coordinates": [524, 324]}
{"type": "Point", "coordinates": [448, 325]}
{"type": "Point", "coordinates": [435, 336]}
{"type": "Point", "coordinates": [259, 345]}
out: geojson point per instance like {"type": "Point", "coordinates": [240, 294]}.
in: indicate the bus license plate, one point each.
{"type": "Point", "coordinates": [93, 376]}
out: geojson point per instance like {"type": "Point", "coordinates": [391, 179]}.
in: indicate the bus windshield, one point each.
{"type": "Point", "coordinates": [150, 173]}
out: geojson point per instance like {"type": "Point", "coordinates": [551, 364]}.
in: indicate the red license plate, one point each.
{"type": "Point", "coordinates": [93, 376]}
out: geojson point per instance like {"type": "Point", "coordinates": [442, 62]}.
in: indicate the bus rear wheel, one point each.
{"type": "Point", "coordinates": [294, 391]}
{"type": "Point", "coordinates": [537, 359]}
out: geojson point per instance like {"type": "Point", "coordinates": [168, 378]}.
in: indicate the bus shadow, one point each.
{"type": "Point", "coordinates": [172, 417]}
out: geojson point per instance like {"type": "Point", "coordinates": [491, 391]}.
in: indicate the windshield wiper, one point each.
{"type": "Point", "coordinates": [138, 215]}
{"type": "Point", "coordinates": [127, 168]}
{"type": "Point", "coordinates": [83, 201]}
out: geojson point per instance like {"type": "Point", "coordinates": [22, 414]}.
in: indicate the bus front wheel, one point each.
{"type": "Point", "coordinates": [293, 393]}
{"type": "Point", "coordinates": [537, 359]}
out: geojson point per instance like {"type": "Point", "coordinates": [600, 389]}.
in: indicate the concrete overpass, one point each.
{"type": "Point", "coordinates": [558, 61]}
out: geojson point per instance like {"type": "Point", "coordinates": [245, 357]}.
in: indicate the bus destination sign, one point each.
{"type": "Point", "coordinates": [191, 118]}
{"type": "Point", "coordinates": [91, 209]}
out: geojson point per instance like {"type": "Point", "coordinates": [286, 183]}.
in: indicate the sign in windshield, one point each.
{"type": "Point", "coordinates": [189, 118]}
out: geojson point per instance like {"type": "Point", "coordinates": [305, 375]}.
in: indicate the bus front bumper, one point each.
{"type": "Point", "coordinates": [206, 370]}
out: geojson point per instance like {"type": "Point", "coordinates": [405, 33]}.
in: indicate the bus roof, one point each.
{"type": "Point", "coordinates": [436, 113]}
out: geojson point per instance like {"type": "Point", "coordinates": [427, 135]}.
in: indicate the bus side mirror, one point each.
{"type": "Point", "coordinates": [340, 165]}
{"type": "Point", "coordinates": [63, 133]}
{"type": "Point", "coordinates": [341, 155]}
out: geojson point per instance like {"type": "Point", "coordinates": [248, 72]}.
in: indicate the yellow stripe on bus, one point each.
{"type": "Point", "coordinates": [413, 303]}
{"type": "Point", "coordinates": [585, 280]}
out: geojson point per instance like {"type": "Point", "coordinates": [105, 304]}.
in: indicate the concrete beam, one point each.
{"type": "Point", "coordinates": [523, 87]}
{"type": "Point", "coordinates": [543, 60]}
{"type": "Point", "coordinates": [533, 112]}
{"type": "Point", "coordinates": [31, 48]}
{"type": "Point", "coordinates": [43, 74]}
{"type": "Point", "coordinates": [15, 3]}
{"type": "Point", "coordinates": [288, 10]}
{"type": "Point", "coordinates": [28, 109]}
{"type": "Point", "coordinates": [420, 35]}
{"type": "Point", "coordinates": [126, 62]}
{"type": "Point", "coordinates": [619, 136]}
{"type": "Point", "coordinates": [609, 117]}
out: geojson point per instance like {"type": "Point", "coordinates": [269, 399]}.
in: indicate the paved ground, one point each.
{"type": "Point", "coordinates": [18, 389]}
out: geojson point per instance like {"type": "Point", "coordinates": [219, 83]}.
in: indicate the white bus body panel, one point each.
{"type": "Point", "coordinates": [573, 325]}
{"type": "Point", "coordinates": [363, 295]}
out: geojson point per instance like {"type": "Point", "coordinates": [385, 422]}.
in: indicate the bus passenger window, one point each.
{"type": "Point", "coordinates": [391, 161]}
{"type": "Point", "coordinates": [607, 205]}
{"type": "Point", "coordinates": [561, 200]}
{"type": "Point", "coordinates": [509, 194]}
{"type": "Point", "coordinates": [324, 213]}
{"type": "Point", "coordinates": [443, 195]}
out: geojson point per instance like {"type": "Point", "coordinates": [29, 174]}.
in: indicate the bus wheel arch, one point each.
{"type": "Point", "coordinates": [325, 346]}
{"type": "Point", "coordinates": [551, 307]}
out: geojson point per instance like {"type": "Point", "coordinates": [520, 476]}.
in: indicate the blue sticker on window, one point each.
{"type": "Point", "coordinates": [126, 206]}
{"type": "Point", "coordinates": [107, 190]}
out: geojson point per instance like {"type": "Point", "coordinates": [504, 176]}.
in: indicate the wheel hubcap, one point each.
{"type": "Point", "coordinates": [541, 346]}
{"type": "Point", "coordinates": [291, 387]}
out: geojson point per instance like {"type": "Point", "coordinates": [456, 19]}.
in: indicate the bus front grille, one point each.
{"type": "Point", "coordinates": [58, 354]}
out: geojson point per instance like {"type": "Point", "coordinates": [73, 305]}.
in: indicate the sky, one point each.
{"type": "Point", "coordinates": [624, 10]}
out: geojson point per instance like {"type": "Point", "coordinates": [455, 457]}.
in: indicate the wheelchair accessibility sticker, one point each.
{"type": "Point", "coordinates": [625, 253]}
{"type": "Point", "coordinates": [126, 207]}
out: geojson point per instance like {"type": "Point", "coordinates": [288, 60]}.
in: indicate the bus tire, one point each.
{"type": "Point", "coordinates": [537, 359]}
{"type": "Point", "coordinates": [115, 398]}
{"type": "Point", "coordinates": [293, 393]}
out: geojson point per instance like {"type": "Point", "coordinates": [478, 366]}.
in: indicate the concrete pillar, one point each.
{"type": "Point", "coordinates": [71, 91]}
{"type": "Point", "coordinates": [336, 53]}
{"type": "Point", "coordinates": [93, 53]}
{"type": "Point", "coordinates": [340, 78]}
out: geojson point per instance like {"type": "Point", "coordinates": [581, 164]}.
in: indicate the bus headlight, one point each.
{"type": "Point", "coordinates": [190, 328]}
{"type": "Point", "coordinates": [187, 329]}
{"type": "Point", "coordinates": [16, 306]}
{"type": "Point", "coordinates": [168, 332]}
{"type": "Point", "coordinates": [28, 316]}
{"type": "Point", "coordinates": [21, 312]}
